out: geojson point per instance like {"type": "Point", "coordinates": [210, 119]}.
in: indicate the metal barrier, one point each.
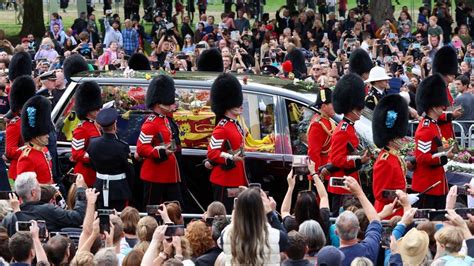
{"type": "Point", "coordinates": [464, 138]}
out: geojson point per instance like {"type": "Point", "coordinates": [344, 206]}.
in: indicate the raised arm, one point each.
{"type": "Point", "coordinates": [286, 204]}
{"type": "Point", "coordinates": [357, 191]}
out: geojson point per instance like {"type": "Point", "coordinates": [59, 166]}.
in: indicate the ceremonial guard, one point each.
{"type": "Point", "coordinates": [210, 60]}
{"type": "Point", "coordinates": [389, 125]}
{"type": "Point", "coordinates": [22, 89]}
{"type": "Point", "coordinates": [431, 99]}
{"type": "Point", "coordinates": [87, 105]}
{"type": "Point", "coordinates": [35, 126]}
{"type": "Point", "coordinates": [360, 63]}
{"type": "Point", "coordinates": [74, 64]}
{"type": "Point", "coordinates": [226, 146]}
{"type": "Point", "coordinates": [160, 171]}
{"type": "Point", "coordinates": [445, 62]}
{"type": "Point", "coordinates": [348, 99]}
{"type": "Point", "coordinates": [20, 64]}
{"type": "Point", "coordinates": [110, 157]}
{"type": "Point", "coordinates": [378, 80]}
{"type": "Point", "coordinates": [321, 129]}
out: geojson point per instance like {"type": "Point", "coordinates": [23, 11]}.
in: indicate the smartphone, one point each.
{"type": "Point", "coordinates": [255, 185]}
{"type": "Point", "coordinates": [422, 214]}
{"type": "Point", "coordinates": [53, 234]}
{"type": "Point", "coordinates": [391, 35]}
{"type": "Point", "coordinates": [152, 210]}
{"type": "Point", "coordinates": [22, 226]}
{"type": "Point", "coordinates": [5, 195]}
{"type": "Point", "coordinates": [42, 229]}
{"type": "Point", "coordinates": [325, 35]}
{"type": "Point", "coordinates": [416, 45]}
{"type": "Point", "coordinates": [462, 190]}
{"type": "Point", "coordinates": [233, 192]}
{"type": "Point", "coordinates": [300, 165]}
{"type": "Point", "coordinates": [463, 212]}
{"type": "Point", "coordinates": [437, 215]}
{"type": "Point", "coordinates": [169, 26]}
{"type": "Point", "coordinates": [71, 177]}
{"type": "Point", "coordinates": [104, 223]}
{"type": "Point", "coordinates": [234, 34]}
{"type": "Point", "coordinates": [337, 182]}
{"type": "Point", "coordinates": [385, 239]}
{"type": "Point", "coordinates": [105, 211]}
{"type": "Point", "coordinates": [175, 230]}
{"type": "Point", "coordinates": [389, 194]}
{"type": "Point", "coordinates": [209, 221]}
{"type": "Point", "coordinates": [81, 196]}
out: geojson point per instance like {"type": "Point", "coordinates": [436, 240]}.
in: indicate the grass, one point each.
{"type": "Point", "coordinates": [7, 18]}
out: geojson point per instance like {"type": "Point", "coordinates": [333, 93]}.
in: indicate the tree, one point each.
{"type": "Point", "coordinates": [381, 10]}
{"type": "Point", "coordinates": [33, 21]}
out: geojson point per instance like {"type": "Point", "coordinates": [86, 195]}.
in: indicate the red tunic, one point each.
{"type": "Point", "coordinates": [319, 139]}
{"type": "Point", "coordinates": [445, 120]}
{"type": "Point", "coordinates": [13, 143]}
{"type": "Point", "coordinates": [338, 156]}
{"type": "Point", "coordinates": [227, 130]}
{"type": "Point", "coordinates": [429, 169]}
{"type": "Point", "coordinates": [38, 160]}
{"type": "Point", "coordinates": [80, 141]}
{"type": "Point", "coordinates": [389, 173]}
{"type": "Point", "coordinates": [157, 166]}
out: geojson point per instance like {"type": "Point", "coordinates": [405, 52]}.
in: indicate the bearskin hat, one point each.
{"type": "Point", "coordinates": [226, 93]}
{"type": "Point", "coordinates": [35, 118]}
{"type": "Point", "coordinates": [390, 120]}
{"type": "Point", "coordinates": [297, 59]}
{"type": "Point", "coordinates": [445, 61]}
{"type": "Point", "coordinates": [160, 91]}
{"type": "Point", "coordinates": [73, 65]}
{"type": "Point", "coordinates": [360, 62]}
{"type": "Point", "coordinates": [349, 94]}
{"type": "Point", "coordinates": [431, 93]}
{"type": "Point", "coordinates": [324, 96]}
{"type": "Point", "coordinates": [139, 61]}
{"type": "Point", "coordinates": [210, 60]}
{"type": "Point", "coordinates": [22, 89]}
{"type": "Point", "coordinates": [88, 98]}
{"type": "Point", "coordinates": [20, 64]}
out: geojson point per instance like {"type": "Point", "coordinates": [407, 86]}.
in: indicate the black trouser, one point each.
{"type": "Point", "coordinates": [118, 205]}
{"type": "Point", "coordinates": [227, 7]}
{"type": "Point", "coordinates": [220, 194]}
{"type": "Point", "coordinates": [432, 202]}
{"type": "Point", "coordinates": [157, 193]}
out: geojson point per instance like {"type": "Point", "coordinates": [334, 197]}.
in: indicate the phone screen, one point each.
{"type": "Point", "coordinates": [337, 182]}
{"type": "Point", "coordinates": [175, 230]}
{"type": "Point", "coordinates": [104, 223]}
{"type": "Point", "coordinates": [389, 194]}
{"type": "Point", "coordinates": [42, 229]}
{"type": "Point", "coordinates": [23, 226]}
{"type": "Point", "coordinates": [438, 215]}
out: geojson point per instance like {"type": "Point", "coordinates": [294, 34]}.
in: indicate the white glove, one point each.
{"type": "Point", "coordinates": [413, 198]}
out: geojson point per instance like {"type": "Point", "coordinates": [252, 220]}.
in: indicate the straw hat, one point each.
{"type": "Point", "coordinates": [413, 247]}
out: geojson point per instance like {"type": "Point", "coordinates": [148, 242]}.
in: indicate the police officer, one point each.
{"type": "Point", "coordinates": [431, 99]}
{"type": "Point", "coordinates": [48, 84]}
{"type": "Point", "coordinates": [160, 170]}
{"type": "Point", "coordinates": [110, 157]}
{"type": "Point", "coordinates": [35, 126]}
{"type": "Point", "coordinates": [378, 78]}
{"type": "Point", "coordinates": [389, 125]}
{"type": "Point", "coordinates": [22, 89]}
{"type": "Point", "coordinates": [348, 99]}
{"type": "Point", "coordinates": [321, 129]}
{"type": "Point", "coordinates": [445, 62]}
{"type": "Point", "coordinates": [87, 105]}
{"type": "Point", "coordinates": [226, 146]}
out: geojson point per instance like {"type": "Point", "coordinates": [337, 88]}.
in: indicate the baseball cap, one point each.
{"type": "Point", "coordinates": [330, 256]}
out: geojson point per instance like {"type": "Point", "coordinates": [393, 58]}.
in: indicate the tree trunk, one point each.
{"type": "Point", "coordinates": [33, 21]}
{"type": "Point", "coordinates": [381, 10]}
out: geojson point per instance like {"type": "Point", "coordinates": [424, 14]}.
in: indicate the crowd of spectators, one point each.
{"type": "Point", "coordinates": [309, 43]}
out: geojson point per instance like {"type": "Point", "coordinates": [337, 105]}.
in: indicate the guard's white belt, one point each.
{"type": "Point", "coordinates": [111, 177]}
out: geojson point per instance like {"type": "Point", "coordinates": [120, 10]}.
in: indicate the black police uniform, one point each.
{"type": "Point", "coordinates": [109, 157]}
{"type": "Point", "coordinates": [373, 98]}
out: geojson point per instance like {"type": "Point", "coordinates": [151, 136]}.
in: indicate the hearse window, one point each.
{"type": "Point", "coordinates": [194, 116]}
{"type": "Point", "coordinates": [299, 117]}
{"type": "Point", "coordinates": [196, 120]}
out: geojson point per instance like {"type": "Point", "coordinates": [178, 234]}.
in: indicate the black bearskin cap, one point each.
{"type": "Point", "coordinates": [226, 93]}
{"type": "Point", "coordinates": [22, 89]}
{"type": "Point", "coordinates": [73, 65]}
{"type": "Point", "coordinates": [360, 62]}
{"type": "Point", "coordinates": [20, 65]}
{"type": "Point", "coordinates": [431, 93]}
{"type": "Point", "coordinates": [298, 61]}
{"type": "Point", "coordinates": [160, 91]}
{"type": "Point", "coordinates": [349, 94]}
{"type": "Point", "coordinates": [390, 120]}
{"type": "Point", "coordinates": [445, 61]}
{"type": "Point", "coordinates": [35, 118]}
{"type": "Point", "coordinates": [210, 60]}
{"type": "Point", "coordinates": [88, 98]}
{"type": "Point", "coordinates": [139, 61]}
